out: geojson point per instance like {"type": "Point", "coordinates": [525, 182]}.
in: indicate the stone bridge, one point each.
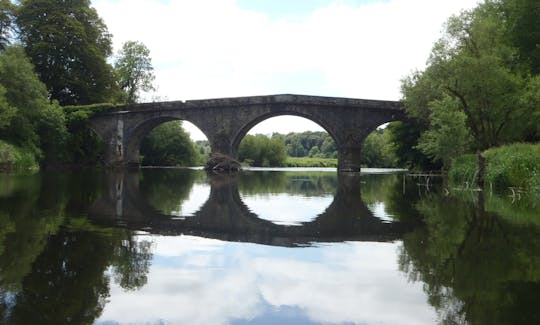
{"type": "Point", "coordinates": [226, 121]}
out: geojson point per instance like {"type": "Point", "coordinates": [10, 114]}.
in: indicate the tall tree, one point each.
{"type": "Point", "coordinates": [68, 43]}
{"type": "Point", "coordinates": [134, 70]}
{"type": "Point", "coordinates": [472, 71]}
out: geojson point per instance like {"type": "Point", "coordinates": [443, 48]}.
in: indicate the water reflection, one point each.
{"type": "Point", "coordinates": [137, 248]}
{"type": "Point", "coordinates": [225, 215]}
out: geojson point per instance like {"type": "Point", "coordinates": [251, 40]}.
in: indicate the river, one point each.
{"type": "Point", "coordinates": [286, 246]}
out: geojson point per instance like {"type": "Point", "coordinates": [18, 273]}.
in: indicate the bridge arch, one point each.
{"type": "Point", "coordinates": [248, 125]}
{"type": "Point", "coordinates": [140, 131]}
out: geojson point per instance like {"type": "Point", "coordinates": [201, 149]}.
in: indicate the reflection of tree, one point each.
{"type": "Point", "coordinates": [53, 264]}
{"type": "Point", "coordinates": [166, 189]}
{"type": "Point", "coordinates": [272, 182]}
{"type": "Point", "coordinates": [132, 263]}
{"type": "Point", "coordinates": [476, 266]}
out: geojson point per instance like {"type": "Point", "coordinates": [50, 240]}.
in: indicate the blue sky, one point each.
{"type": "Point", "coordinates": [228, 48]}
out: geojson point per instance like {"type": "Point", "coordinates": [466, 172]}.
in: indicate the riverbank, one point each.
{"type": "Point", "coordinates": [512, 166]}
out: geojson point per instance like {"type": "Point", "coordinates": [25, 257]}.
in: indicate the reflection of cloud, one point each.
{"type": "Point", "coordinates": [359, 286]}
{"type": "Point", "coordinates": [286, 209]}
{"type": "Point", "coordinates": [216, 282]}
{"type": "Point", "coordinates": [379, 210]}
{"type": "Point", "coordinates": [198, 195]}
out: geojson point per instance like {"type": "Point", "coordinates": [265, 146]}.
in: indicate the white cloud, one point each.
{"type": "Point", "coordinates": [214, 48]}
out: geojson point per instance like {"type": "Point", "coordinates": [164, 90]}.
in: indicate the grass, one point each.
{"type": "Point", "coordinates": [310, 162]}
{"type": "Point", "coordinates": [516, 165]}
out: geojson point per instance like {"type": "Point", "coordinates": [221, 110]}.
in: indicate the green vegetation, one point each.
{"type": "Point", "coordinates": [68, 43]}
{"type": "Point", "coordinates": [516, 165]}
{"type": "Point", "coordinates": [169, 145]}
{"type": "Point", "coordinates": [50, 82]}
{"type": "Point", "coordinates": [312, 149]}
{"type": "Point", "coordinates": [481, 86]}
{"type": "Point", "coordinates": [15, 159]}
{"type": "Point", "coordinates": [134, 70]}
{"type": "Point", "coordinates": [259, 150]}
{"type": "Point", "coordinates": [310, 162]}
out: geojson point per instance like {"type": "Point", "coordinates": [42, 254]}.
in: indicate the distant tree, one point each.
{"type": "Point", "coordinates": [134, 70]}
{"type": "Point", "coordinates": [259, 150]}
{"type": "Point", "coordinates": [68, 43]}
{"type": "Point", "coordinates": [169, 145]}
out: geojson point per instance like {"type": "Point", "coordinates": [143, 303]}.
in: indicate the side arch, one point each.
{"type": "Point", "coordinates": [141, 130]}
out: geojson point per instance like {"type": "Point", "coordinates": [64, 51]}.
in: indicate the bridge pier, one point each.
{"type": "Point", "coordinates": [349, 158]}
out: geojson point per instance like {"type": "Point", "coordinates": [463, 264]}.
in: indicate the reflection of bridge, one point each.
{"type": "Point", "coordinates": [226, 121]}
{"type": "Point", "coordinates": [224, 216]}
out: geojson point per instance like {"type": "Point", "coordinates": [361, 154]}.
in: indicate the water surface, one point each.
{"type": "Point", "coordinates": [178, 246]}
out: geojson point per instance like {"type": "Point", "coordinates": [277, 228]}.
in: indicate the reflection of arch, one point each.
{"type": "Point", "coordinates": [224, 216]}
{"type": "Point", "coordinates": [241, 133]}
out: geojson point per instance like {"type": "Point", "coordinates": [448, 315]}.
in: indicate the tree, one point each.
{"type": "Point", "coordinates": [523, 30]}
{"type": "Point", "coordinates": [6, 22]}
{"type": "Point", "coordinates": [259, 150]}
{"type": "Point", "coordinates": [68, 44]}
{"type": "Point", "coordinates": [474, 66]}
{"type": "Point", "coordinates": [448, 136]}
{"type": "Point", "coordinates": [134, 70]}
{"type": "Point", "coordinates": [169, 145]}
{"type": "Point", "coordinates": [17, 74]}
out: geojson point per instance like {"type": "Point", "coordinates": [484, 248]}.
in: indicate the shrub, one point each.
{"type": "Point", "coordinates": [16, 159]}
{"type": "Point", "coordinates": [515, 165]}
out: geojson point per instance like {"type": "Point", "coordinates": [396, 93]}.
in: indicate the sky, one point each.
{"type": "Point", "coordinates": [227, 48]}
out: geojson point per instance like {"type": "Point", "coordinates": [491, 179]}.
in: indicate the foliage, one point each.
{"type": "Point", "coordinates": [169, 145]}
{"type": "Point", "coordinates": [475, 76]}
{"type": "Point", "coordinates": [524, 30]}
{"type": "Point", "coordinates": [26, 107]}
{"type": "Point", "coordinates": [301, 144]}
{"type": "Point", "coordinates": [404, 137]}
{"type": "Point", "coordinates": [378, 151]}
{"type": "Point", "coordinates": [516, 165]}
{"type": "Point", "coordinates": [259, 150]}
{"type": "Point", "coordinates": [15, 159]}
{"type": "Point", "coordinates": [68, 43]}
{"type": "Point", "coordinates": [6, 22]}
{"type": "Point", "coordinates": [134, 71]}
{"type": "Point", "coordinates": [448, 136]}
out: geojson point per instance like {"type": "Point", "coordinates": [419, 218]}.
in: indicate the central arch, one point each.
{"type": "Point", "coordinates": [243, 131]}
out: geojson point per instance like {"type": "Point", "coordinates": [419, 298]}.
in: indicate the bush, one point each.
{"type": "Point", "coordinates": [16, 159]}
